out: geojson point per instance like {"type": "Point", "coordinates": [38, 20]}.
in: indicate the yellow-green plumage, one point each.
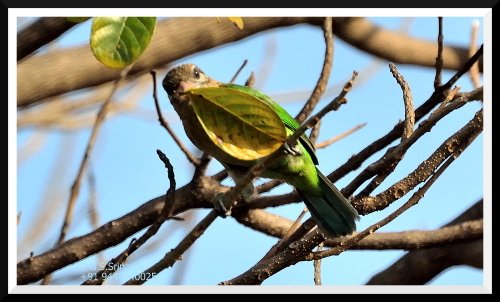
{"type": "Point", "coordinates": [239, 125]}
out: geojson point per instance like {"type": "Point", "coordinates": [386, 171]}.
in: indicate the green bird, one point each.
{"type": "Point", "coordinates": [239, 126]}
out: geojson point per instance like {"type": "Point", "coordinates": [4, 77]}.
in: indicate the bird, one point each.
{"type": "Point", "coordinates": [239, 126]}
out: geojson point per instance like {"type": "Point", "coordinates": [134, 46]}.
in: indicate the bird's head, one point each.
{"type": "Point", "coordinates": [185, 77]}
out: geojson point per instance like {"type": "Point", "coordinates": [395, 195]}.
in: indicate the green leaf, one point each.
{"type": "Point", "coordinates": [238, 123]}
{"type": "Point", "coordinates": [77, 19]}
{"type": "Point", "coordinates": [119, 41]}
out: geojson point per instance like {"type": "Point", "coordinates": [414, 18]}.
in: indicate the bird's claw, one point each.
{"type": "Point", "coordinates": [248, 193]}
{"type": "Point", "coordinates": [219, 205]}
{"type": "Point", "coordinates": [292, 149]}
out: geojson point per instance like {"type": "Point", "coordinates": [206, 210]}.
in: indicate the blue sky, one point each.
{"type": "Point", "coordinates": [128, 173]}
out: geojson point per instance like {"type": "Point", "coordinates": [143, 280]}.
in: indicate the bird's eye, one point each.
{"type": "Point", "coordinates": [196, 73]}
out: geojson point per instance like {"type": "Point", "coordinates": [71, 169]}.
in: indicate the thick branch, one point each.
{"type": "Point", "coordinates": [278, 226]}
{"type": "Point", "coordinates": [115, 231]}
{"type": "Point", "coordinates": [395, 46]}
{"type": "Point", "coordinates": [39, 77]}
{"type": "Point", "coordinates": [40, 33]}
{"type": "Point", "coordinates": [425, 264]}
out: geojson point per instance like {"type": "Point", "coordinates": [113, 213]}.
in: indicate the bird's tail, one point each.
{"type": "Point", "coordinates": [331, 210]}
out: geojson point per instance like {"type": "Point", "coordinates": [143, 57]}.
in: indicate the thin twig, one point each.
{"type": "Point", "coordinates": [92, 206]}
{"type": "Point", "coordinates": [467, 66]}
{"type": "Point", "coordinates": [317, 266]}
{"type": "Point", "coordinates": [92, 201]}
{"type": "Point", "coordinates": [238, 71]}
{"type": "Point", "coordinates": [325, 73]}
{"type": "Point", "coordinates": [175, 254]}
{"type": "Point", "coordinates": [339, 137]}
{"type": "Point", "coordinates": [393, 155]}
{"type": "Point", "coordinates": [287, 238]}
{"type": "Point", "coordinates": [374, 227]}
{"type": "Point", "coordinates": [450, 96]}
{"type": "Point", "coordinates": [409, 121]}
{"type": "Point", "coordinates": [439, 58]}
{"type": "Point", "coordinates": [437, 97]}
{"type": "Point", "coordinates": [474, 70]}
{"type": "Point", "coordinates": [50, 204]}
{"type": "Point", "coordinates": [200, 169]}
{"type": "Point", "coordinates": [251, 80]}
{"type": "Point", "coordinates": [192, 159]}
{"type": "Point", "coordinates": [313, 136]}
{"type": "Point", "coordinates": [165, 214]}
{"type": "Point", "coordinates": [75, 187]}
{"type": "Point", "coordinates": [332, 106]}
{"type": "Point", "coordinates": [453, 146]}
{"type": "Point", "coordinates": [266, 187]}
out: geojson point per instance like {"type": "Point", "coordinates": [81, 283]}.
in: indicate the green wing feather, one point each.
{"type": "Point", "coordinates": [285, 117]}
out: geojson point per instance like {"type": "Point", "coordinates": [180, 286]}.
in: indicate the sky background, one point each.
{"type": "Point", "coordinates": [128, 173]}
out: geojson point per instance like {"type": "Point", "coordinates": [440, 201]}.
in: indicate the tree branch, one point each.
{"type": "Point", "coordinates": [452, 147]}
{"type": "Point", "coordinates": [191, 158]}
{"type": "Point", "coordinates": [39, 77]}
{"type": "Point", "coordinates": [387, 163]}
{"type": "Point", "coordinates": [39, 33]}
{"type": "Point", "coordinates": [409, 120]}
{"type": "Point", "coordinates": [459, 231]}
{"type": "Point", "coordinates": [75, 187]}
{"type": "Point", "coordinates": [165, 214]}
{"type": "Point", "coordinates": [116, 231]}
{"type": "Point", "coordinates": [395, 46]}
{"type": "Point", "coordinates": [474, 71]}
{"type": "Point", "coordinates": [439, 57]}
{"type": "Point", "coordinates": [376, 167]}
{"type": "Point", "coordinates": [425, 264]}
{"type": "Point", "coordinates": [320, 87]}
{"type": "Point", "coordinates": [438, 96]}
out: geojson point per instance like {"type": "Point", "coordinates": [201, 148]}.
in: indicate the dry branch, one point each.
{"type": "Point", "coordinates": [425, 264]}
{"type": "Point", "coordinates": [320, 87]}
{"type": "Point", "coordinates": [40, 33]}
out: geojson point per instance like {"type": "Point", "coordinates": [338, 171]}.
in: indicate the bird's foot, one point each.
{"type": "Point", "coordinates": [293, 150]}
{"type": "Point", "coordinates": [220, 201]}
{"type": "Point", "coordinates": [248, 193]}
